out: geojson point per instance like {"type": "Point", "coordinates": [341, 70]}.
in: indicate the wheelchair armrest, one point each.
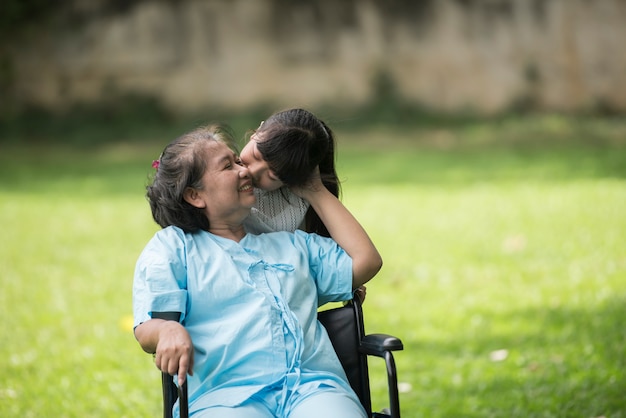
{"type": "Point", "coordinates": [379, 344]}
{"type": "Point", "coordinates": [382, 345]}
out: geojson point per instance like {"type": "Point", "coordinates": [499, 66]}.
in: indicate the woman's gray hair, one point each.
{"type": "Point", "coordinates": [182, 165]}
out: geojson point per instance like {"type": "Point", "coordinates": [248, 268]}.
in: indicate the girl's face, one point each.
{"type": "Point", "coordinates": [262, 176]}
{"type": "Point", "coordinates": [227, 194]}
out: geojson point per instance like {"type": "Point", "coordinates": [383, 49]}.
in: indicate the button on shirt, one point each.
{"type": "Point", "coordinates": [249, 307]}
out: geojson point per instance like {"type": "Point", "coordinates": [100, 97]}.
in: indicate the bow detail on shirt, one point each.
{"type": "Point", "coordinates": [277, 266]}
{"type": "Point", "coordinates": [266, 265]}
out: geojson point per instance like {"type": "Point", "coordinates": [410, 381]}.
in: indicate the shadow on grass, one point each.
{"type": "Point", "coordinates": [107, 147]}
{"type": "Point", "coordinates": [124, 167]}
{"type": "Point", "coordinates": [461, 167]}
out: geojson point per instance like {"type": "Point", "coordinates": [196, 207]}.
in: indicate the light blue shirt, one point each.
{"type": "Point", "coordinates": [250, 308]}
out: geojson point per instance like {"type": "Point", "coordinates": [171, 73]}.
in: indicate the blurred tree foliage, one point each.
{"type": "Point", "coordinates": [16, 14]}
{"type": "Point", "coordinates": [24, 18]}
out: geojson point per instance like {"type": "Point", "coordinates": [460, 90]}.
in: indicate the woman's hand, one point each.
{"type": "Point", "coordinates": [172, 346]}
{"type": "Point", "coordinates": [174, 351]}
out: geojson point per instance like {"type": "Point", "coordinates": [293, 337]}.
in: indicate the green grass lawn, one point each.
{"type": "Point", "coordinates": [505, 270]}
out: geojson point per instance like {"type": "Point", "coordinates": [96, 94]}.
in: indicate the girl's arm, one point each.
{"type": "Point", "coordinates": [345, 230]}
{"type": "Point", "coordinates": [171, 344]}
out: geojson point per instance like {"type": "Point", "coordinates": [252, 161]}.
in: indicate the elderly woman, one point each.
{"type": "Point", "coordinates": [246, 335]}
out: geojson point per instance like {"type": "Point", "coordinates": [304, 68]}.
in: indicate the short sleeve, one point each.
{"type": "Point", "coordinates": [331, 267]}
{"type": "Point", "coordinates": [160, 279]}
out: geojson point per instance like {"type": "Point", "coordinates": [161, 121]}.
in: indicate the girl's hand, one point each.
{"type": "Point", "coordinates": [313, 186]}
{"type": "Point", "coordinates": [361, 292]}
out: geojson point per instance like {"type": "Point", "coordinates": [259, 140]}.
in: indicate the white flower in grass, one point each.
{"type": "Point", "coordinates": [499, 355]}
{"type": "Point", "coordinates": [404, 387]}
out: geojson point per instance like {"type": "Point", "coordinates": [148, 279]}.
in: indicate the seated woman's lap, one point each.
{"type": "Point", "coordinates": [247, 410]}
{"type": "Point", "coordinates": [327, 403]}
{"type": "Point", "coordinates": [324, 402]}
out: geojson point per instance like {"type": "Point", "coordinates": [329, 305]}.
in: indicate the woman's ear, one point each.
{"type": "Point", "coordinates": [192, 197]}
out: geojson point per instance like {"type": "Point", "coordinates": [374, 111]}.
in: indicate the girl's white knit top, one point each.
{"type": "Point", "coordinates": [277, 210]}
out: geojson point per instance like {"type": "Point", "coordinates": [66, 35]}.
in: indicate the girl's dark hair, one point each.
{"type": "Point", "coordinates": [182, 165]}
{"type": "Point", "coordinates": [293, 143]}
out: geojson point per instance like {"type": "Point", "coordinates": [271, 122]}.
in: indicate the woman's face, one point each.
{"type": "Point", "coordinates": [262, 176]}
{"type": "Point", "coordinates": [227, 194]}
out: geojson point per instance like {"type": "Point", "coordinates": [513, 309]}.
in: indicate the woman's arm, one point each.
{"type": "Point", "coordinates": [171, 344]}
{"type": "Point", "coordinates": [345, 230]}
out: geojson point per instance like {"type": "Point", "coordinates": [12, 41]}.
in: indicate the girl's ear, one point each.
{"type": "Point", "coordinates": [192, 197]}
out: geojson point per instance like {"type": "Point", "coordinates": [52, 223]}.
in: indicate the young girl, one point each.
{"type": "Point", "coordinates": [245, 306]}
{"type": "Point", "coordinates": [288, 150]}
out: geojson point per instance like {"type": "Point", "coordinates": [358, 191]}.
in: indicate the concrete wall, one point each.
{"type": "Point", "coordinates": [484, 55]}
